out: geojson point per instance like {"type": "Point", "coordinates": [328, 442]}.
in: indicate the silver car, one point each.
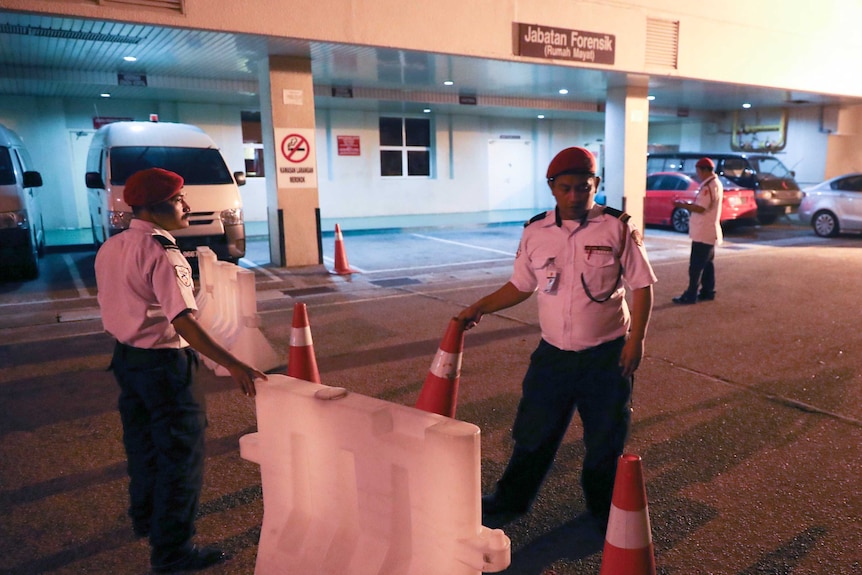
{"type": "Point", "coordinates": [834, 206]}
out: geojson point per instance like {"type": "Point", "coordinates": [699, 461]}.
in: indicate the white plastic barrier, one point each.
{"type": "Point", "coordinates": [354, 485]}
{"type": "Point", "coordinates": [227, 309]}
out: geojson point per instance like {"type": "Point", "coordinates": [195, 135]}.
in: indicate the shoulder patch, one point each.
{"type": "Point", "coordinates": [536, 218]}
{"type": "Point", "coordinates": [166, 243]}
{"type": "Point", "coordinates": [619, 214]}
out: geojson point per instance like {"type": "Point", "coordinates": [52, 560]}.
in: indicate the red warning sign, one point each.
{"type": "Point", "coordinates": [295, 148]}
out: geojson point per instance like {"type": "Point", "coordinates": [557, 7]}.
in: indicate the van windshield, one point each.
{"type": "Point", "coordinates": [767, 166]}
{"type": "Point", "coordinates": [197, 166]}
{"type": "Point", "coordinates": [7, 174]}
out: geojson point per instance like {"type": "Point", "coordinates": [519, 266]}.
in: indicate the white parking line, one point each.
{"type": "Point", "coordinates": [263, 270]}
{"type": "Point", "coordinates": [463, 245]}
{"type": "Point", "coordinates": [76, 277]}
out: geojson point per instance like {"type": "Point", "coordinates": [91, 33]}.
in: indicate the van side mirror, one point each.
{"type": "Point", "coordinates": [94, 180]}
{"type": "Point", "coordinates": [32, 180]}
{"type": "Point", "coordinates": [239, 177]}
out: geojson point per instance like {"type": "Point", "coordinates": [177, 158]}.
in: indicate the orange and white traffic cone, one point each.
{"type": "Point", "coordinates": [440, 391]}
{"type": "Point", "coordinates": [301, 362]}
{"type": "Point", "coordinates": [628, 542]}
{"type": "Point", "coordinates": [341, 265]}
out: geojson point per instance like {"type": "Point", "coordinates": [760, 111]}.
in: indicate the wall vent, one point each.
{"type": "Point", "coordinates": [662, 43]}
{"type": "Point", "coordinates": [171, 5]}
{"type": "Point", "coordinates": [67, 34]}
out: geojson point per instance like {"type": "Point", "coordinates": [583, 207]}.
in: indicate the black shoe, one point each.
{"type": "Point", "coordinates": [141, 529]}
{"type": "Point", "coordinates": [199, 558]}
{"type": "Point", "coordinates": [706, 296]}
{"type": "Point", "coordinates": [495, 505]}
{"type": "Point", "coordinates": [685, 299]}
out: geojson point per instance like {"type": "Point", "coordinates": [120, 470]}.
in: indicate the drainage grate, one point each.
{"type": "Point", "coordinates": [307, 291]}
{"type": "Point", "coordinates": [395, 282]}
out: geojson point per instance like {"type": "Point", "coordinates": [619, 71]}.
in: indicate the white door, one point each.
{"type": "Point", "coordinates": [79, 144]}
{"type": "Point", "coordinates": [510, 175]}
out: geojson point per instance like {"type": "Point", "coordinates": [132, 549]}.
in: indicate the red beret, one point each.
{"type": "Point", "coordinates": [151, 186]}
{"type": "Point", "coordinates": [572, 161]}
{"type": "Point", "coordinates": [705, 164]}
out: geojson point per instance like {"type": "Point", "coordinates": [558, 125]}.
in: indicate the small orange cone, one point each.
{"type": "Point", "coordinates": [301, 362]}
{"type": "Point", "coordinates": [341, 265]}
{"type": "Point", "coordinates": [628, 542]}
{"type": "Point", "coordinates": [440, 392]}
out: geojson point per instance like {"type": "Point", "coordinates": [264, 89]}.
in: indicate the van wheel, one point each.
{"type": "Point", "coordinates": [825, 224]}
{"type": "Point", "coordinates": [679, 220]}
{"type": "Point", "coordinates": [767, 219]}
{"type": "Point", "coordinates": [30, 267]}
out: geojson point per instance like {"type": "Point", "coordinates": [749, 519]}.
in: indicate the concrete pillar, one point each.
{"type": "Point", "coordinates": [287, 121]}
{"type": "Point", "coordinates": [626, 131]}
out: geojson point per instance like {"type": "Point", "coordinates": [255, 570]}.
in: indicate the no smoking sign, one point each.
{"type": "Point", "coordinates": [296, 161]}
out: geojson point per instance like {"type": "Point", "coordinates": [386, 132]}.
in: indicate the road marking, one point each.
{"type": "Point", "coordinates": [463, 245]}
{"type": "Point", "coordinates": [262, 269]}
{"type": "Point", "coordinates": [331, 261]}
{"type": "Point", "coordinates": [76, 277]}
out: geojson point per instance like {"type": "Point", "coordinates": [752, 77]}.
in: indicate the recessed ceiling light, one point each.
{"type": "Point", "coordinates": [746, 105]}
{"type": "Point", "coordinates": [105, 95]}
{"type": "Point", "coordinates": [563, 91]}
{"type": "Point", "coordinates": [448, 83]}
{"type": "Point", "coordinates": [650, 98]}
{"type": "Point", "coordinates": [427, 110]}
{"type": "Point", "coordinates": [541, 116]}
{"type": "Point", "coordinates": [130, 59]}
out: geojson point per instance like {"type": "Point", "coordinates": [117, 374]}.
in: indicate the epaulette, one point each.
{"type": "Point", "coordinates": [619, 214]}
{"type": "Point", "coordinates": [166, 243]}
{"type": "Point", "coordinates": [536, 218]}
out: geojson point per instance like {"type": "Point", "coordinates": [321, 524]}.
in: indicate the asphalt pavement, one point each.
{"type": "Point", "coordinates": [747, 409]}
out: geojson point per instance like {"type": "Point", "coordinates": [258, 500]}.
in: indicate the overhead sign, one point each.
{"type": "Point", "coordinates": [295, 160]}
{"type": "Point", "coordinates": [536, 41]}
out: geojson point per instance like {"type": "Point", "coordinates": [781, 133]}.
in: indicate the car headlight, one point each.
{"type": "Point", "coordinates": [232, 216]}
{"type": "Point", "coordinates": [9, 220]}
{"type": "Point", "coordinates": [119, 220]}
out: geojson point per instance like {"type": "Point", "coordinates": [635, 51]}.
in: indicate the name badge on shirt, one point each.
{"type": "Point", "coordinates": [553, 277]}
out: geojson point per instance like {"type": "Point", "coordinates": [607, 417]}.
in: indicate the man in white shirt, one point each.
{"type": "Point", "coordinates": [704, 229]}
{"type": "Point", "coordinates": [578, 258]}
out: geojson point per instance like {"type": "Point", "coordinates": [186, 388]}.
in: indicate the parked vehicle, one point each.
{"type": "Point", "coordinates": [663, 188]}
{"type": "Point", "coordinates": [834, 206]}
{"type": "Point", "coordinates": [775, 188]}
{"type": "Point", "coordinates": [120, 149]}
{"type": "Point", "coordinates": [22, 235]}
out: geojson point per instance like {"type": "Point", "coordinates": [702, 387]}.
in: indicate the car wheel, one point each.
{"type": "Point", "coordinates": [679, 220]}
{"type": "Point", "coordinates": [767, 219]}
{"type": "Point", "coordinates": [825, 224]}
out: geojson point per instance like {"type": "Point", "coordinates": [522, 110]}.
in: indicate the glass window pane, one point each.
{"type": "Point", "coordinates": [418, 131]}
{"type": "Point", "coordinates": [390, 163]}
{"type": "Point", "coordinates": [390, 132]}
{"type": "Point", "coordinates": [418, 163]}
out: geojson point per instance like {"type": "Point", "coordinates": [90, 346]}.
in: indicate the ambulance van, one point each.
{"type": "Point", "coordinates": [22, 236]}
{"type": "Point", "coordinates": [120, 149]}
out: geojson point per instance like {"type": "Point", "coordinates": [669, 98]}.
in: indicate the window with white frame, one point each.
{"type": "Point", "coordinates": [405, 147]}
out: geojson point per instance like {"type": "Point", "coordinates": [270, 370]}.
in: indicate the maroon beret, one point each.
{"type": "Point", "coordinates": [572, 161]}
{"type": "Point", "coordinates": [705, 164]}
{"type": "Point", "coordinates": [151, 186]}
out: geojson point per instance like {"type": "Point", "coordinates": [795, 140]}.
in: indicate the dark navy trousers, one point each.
{"type": "Point", "coordinates": [701, 269]}
{"type": "Point", "coordinates": [164, 417]}
{"type": "Point", "coordinates": [556, 384]}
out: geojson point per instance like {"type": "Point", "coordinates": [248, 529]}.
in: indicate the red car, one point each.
{"type": "Point", "coordinates": [665, 187]}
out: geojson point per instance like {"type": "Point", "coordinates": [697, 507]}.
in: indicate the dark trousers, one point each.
{"type": "Point", "coordinates": [556, 384]}
{"type": "Point", "coordinates": [164, 417]}
{"type": "Point", "coordinates": [701, 270]}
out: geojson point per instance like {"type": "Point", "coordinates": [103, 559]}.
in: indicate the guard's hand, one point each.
{"type": "Point", "coordinates": [244, 375]}
{"type": "Point", "coordinates": [630, 358]}
{"type": "Point", "coordinates": [469, 317]}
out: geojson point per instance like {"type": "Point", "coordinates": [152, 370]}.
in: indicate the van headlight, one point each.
{"type": "Point", "coordinates": [232, 216]}
{"type": "Point", "coordinates": [10, 220]}
{"type": "Point", "coordinates": [119, 220]}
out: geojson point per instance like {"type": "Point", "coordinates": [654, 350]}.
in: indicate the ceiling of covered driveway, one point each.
{"type": "Point", "coordinates": [76, 58]}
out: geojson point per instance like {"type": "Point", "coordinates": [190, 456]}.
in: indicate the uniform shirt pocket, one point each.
{"type": "Point", "coordinates": [601, 273]}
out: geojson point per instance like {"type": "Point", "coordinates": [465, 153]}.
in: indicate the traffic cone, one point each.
{"type": "Point", "coordinates": [301, 362]}
{"type": "Point", "coordinates": [440, 391]}
{"type": "Point", "coordinates": [628, 542]}
{"type": "Point", "coordinates": [341, 265]}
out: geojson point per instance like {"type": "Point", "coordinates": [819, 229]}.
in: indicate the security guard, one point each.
{"type": "Point", "coordinates": [578, 258]}
{"type": "Point", "coordinates": [147, 302]}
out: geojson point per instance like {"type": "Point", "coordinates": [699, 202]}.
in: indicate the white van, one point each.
{"type": "Point", "coordinates": [22, 235]}
{"type": "Point", "coordinates": [120, 149]}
